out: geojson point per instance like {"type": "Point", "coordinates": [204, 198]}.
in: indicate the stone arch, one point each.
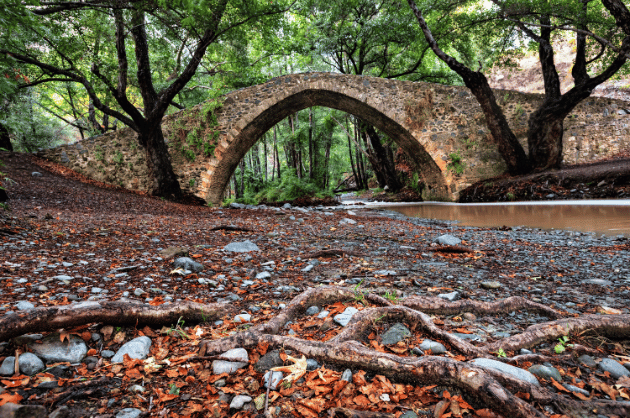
{"type": "Point", "coordinates": [260, 122]}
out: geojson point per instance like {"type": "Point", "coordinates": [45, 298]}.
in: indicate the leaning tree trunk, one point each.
{"type": "Point", "coordinates": [164, 182]}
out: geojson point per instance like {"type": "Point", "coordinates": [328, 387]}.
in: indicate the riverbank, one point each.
{"type": "Point", "coordinates": [66, 241]}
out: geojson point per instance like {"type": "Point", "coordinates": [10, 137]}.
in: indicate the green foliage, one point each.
{"type": "Point", "coordinates": [501, 353]}
{"type": "Point", "coordinates": [98, 154]}
{"type": "Point", "coordinates": [119, 157]}
{"type": "Point", "coordinates": [391, 296]}
{"type": "Point", "coordinates": [562, 344]}
{"type": "Point", "coordinates": [191, 183]}
{"type": "Point", "coordinates": [455, 163]}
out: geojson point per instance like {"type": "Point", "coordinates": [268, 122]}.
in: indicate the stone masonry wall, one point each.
{"type": "Point", "coordinates": [435, 123]}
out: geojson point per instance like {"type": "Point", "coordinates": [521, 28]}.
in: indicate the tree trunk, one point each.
{"type": "Point", "coordinates": [511, 150]}
{"type": "Point", "coordinates": [5, 139]}
{"type": "Point", "coordinates": [545, 139]}
{"type": "Point", "coordinates": [384, 167]}
{"type": "Point", "coordinates": [311, 150]}
{"type": "Point", "coordinates": [164, 182]}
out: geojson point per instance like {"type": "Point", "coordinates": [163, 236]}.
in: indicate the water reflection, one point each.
{"type": "Point", "coordinates": [602, 217]}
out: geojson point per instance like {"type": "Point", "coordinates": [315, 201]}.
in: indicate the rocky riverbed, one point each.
{"type": "Point", "coordinates": [69, 242]}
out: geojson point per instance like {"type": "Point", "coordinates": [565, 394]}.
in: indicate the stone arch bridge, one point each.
{"type": "Point", "coordinates": [432, 123]}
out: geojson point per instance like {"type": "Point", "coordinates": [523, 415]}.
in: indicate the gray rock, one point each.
{"type": "Point", "coordinates": [187, 263]}
{"type": "Point", "coordinates": [575, 389]}
{"type": "Point", "coordinates": [448, 240]}
{"type": "Point", "coordinates": [599, 282]}
{"type": "Point", "coordinates": [286, 206]}
{"type": "Point", "coordinates": [270, 360]}
{"type": "Point", "coordinates": [30, 364]}
{"type": "Point", "coordinates": [587, 360]}
{"type": "Point", "coordinates": [345, 317]}
{"type": "Point", "coordinates": [107, 353]}
{"type": "Point", "coordinates": [12, 410]}
{"type": "Point", "coordinates": [409, 414]}
{"type": "Point", "coordinates": [239, 400]}
{"type": "Point", "coordinates": [491, 285]}
{"type": "Point", "coordinates": [308, 268]}
{"type": "Point", "coordinates": [244, 317]}
{"type": "Point", "coordinates": [129, 413]}
{"type": "Point", "coordinates": [53, 350]}
{"type": "Point", "coordinates": [63, 277]}
{"type": "Point", "coordinates": [276, 378]}
{"type": "Point", "coordinates": [347, 221]}
{"type": "Point", "coordinates": [311, 364]}
{"type": "Point", "coordinates": [347, 375]}
{"type": "Point", "coordinates": [453, 296]}
{"type": "Point", "coordinates": [241, 247]}
{"type": "Point", "coordinates": [136, 348]}
{"type": "Point", "coordinates": [471, 337]}
{"type": "Point", "coordinates": [429, 345]}
{"type": "Point", "coordinates": [545, 372]}
{"type": "Point", "coordinates": [239, 358]}
{"type": "Point", "coordinates": [36, 174]}
{"type": "Point", "coordinates": [263, 275]}
{"type": "Point", "coordinates": [613, 367]}
{"type": "Point", "coordinates": [507, 369]}
{"type": "Point", "coordinates": [139, 292]}
{"type": "Point", "coordinates": [235, 205]}
{"type": "Point", "coordinates": [525, 351]}
{"type": "Point", "coordinates": [323, 314]}
{"type": "Point", "coordinates": [386, 272]}
{"type": "Point", "coordinates": [312, 310]}
{"type": "Point", "coordinates": [24, 305]}
{"type": "Point", "coordinates": [395, 333]}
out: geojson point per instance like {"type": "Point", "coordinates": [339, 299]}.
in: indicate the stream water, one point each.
{"type": "Point", "coordinates": [606, 217]}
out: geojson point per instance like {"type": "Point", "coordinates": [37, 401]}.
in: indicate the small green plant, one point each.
{"type": "Point", "coordinates": [391, 296]}
{"type": "Point", "coordinates": [455, 164]}
{"type": "Point", "coordinates": [518, 110]}
{"type": "Point", "coordinates": [191, 183]}
{"type": "Point", "coordinates": [359, 294]}
{"type": "Point", "coordinates": [501, 353]}
{"type": "Point", "coordinates": [177, 329]}
{"type": "Point", "coordinates": [510, 196]}
{"type": "Point", "coordinates": [119, 158]}
{"type": "Point", "coordinates": [286, 384]}
{"type": "Point", "coordinates": [562, 345]}
{"type": "Point", "coordinates": [173, 389]}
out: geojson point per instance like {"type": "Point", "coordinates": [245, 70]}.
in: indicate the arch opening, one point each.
{"type": "Point", "coordinates": [259, 124]}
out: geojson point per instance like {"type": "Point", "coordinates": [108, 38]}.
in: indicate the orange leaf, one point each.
{"type": "Point", "coordinates": [463, 330]}
{"type": "Point", "coordinates": [361, 400]}
{"type": "Point", "coordinates": [283, 356]}
{"type": "Point", "coordinates": [86, 336]}
{"type": "Point", "coordinates": [12, 398]}
{"type": "Point", "coordinates": [262, 348]}
{"type": "Point", "coordinates": [582, 396]}
{"type": "Point", "coordinates": [92, 352]}
{"type": "Point", "coordinates": [182, 371]}
{"type": "Point", "coordinates": [190, 379]}
{"type": "Point", "coordinates": [559, 386]}
{"type": "Point", "coordinates": [16, 382]}
{"type": "Point", "coordinates": [172, 373]}
{"type": "Point", "coordinates": [64, 335]}
{"type": "Point", "coordinates": [133, 374]}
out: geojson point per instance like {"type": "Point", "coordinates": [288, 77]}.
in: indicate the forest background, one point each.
{"type": "Point", "coordinates": [78, 69]}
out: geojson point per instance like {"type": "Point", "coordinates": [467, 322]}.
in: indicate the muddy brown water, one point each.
{"type": "Point", "coordinates": [606, 217]}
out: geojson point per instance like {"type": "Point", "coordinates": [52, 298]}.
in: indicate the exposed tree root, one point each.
{"type": "Point", "coordinates": [612, 326]}
{"type": "Point", "coordinates": [114, 313]}
{"type": "Point", "coordinates": [230, 228]}
{"type": "Point", "coordinates": [351, 413]}
{"type": "Point", "coordinates": [445, 307]}
{"type": "Point", "coordinates": [488, 387]}
{"type": "Point", "coordinates": [332, 253]}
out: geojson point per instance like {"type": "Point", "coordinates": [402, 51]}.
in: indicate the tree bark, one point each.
{"type": "Point", "coordinates": [511, 150]}
{"type": "Point", "coordinates": [164, 182]}
{"type": "Point", "coordinates": [382, 161]}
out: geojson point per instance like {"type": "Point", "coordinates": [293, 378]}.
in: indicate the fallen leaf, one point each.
{"type": "Point", "coordinates": [8, 397]}
{"type": "Point", "coordinates": [296, 370]}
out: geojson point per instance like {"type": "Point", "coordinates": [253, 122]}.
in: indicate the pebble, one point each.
{"type": "Point", "coordinates": [429, 345]}
{"type": "Point", "coordinates": [344, 318]}
{"type": "Point", "coordinates": [452, 296]}
{"type": "Point", "coordinates": [347, 375]}
{"type": "Point", "coordinates": [241, 247]}
{"type": "Point", "coordinates": [242, 318]}
{"type": "Point", "coordinates": [395, 333]}
{"type": "Point", "coordinates": [448, 240]}
{"type": "Point", "coordinates": [587, 360]}
{"type": "Point", "coordinates": [491, 285]}
{"type": "Point", "coordinates": [312, 310]}
{"type": "Point", "coordinates": [30, 364]}
{"type": "Point", "coordinates": [516, 372]}
{"type": "Point", "coordinates": [24, 305]}
{"type": "Point", "coordinates": [240, 359]}
{"type": "Point", "coordinates": [129, 413]}
{"type": "Point", "coordinates": [575, 389]}
{"type": "Point", "coordinates": [52, 349]}
{"type": "Point", "coordinates": [137, 348]}
{"type": "Point", "coordinates": [187, 263]}
{"type": "Point", "coordinates": [263, 275]}
{"type": "Point", "coordinates": [613, 367]}
{"type": "Point", "coordinates": [276, 378]}
{"type": "Point", "coordinates": [239, 400]}
{"type": "Point", "coordinates": [545, 372]}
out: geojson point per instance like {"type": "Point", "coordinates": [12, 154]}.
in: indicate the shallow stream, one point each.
{"type": "Point", "coordinates": [606, 217]}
